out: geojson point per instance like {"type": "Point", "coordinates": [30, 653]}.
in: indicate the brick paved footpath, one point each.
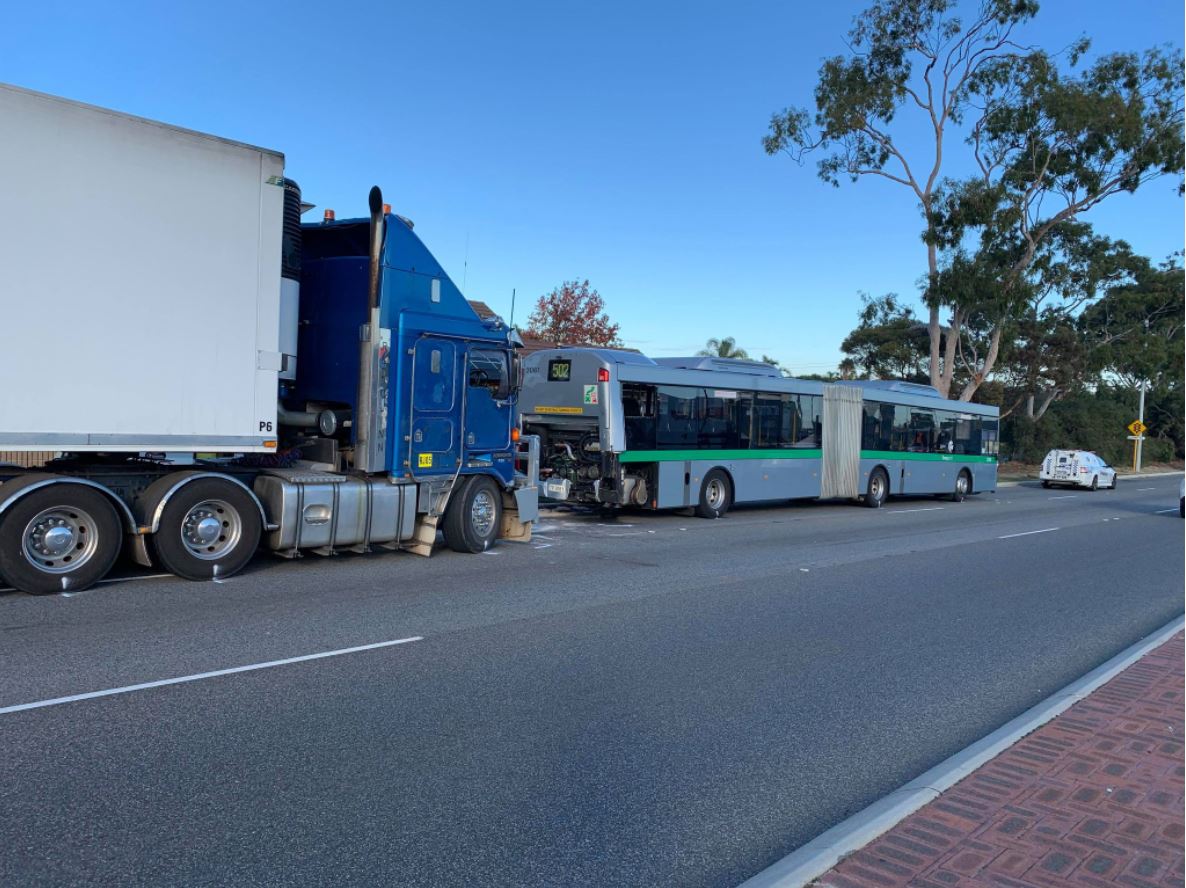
{"type": "Point", "coordinates": [1093, 798]}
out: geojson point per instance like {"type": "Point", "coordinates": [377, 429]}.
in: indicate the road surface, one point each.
{"type": "Point", "coordinates": [660, 700]}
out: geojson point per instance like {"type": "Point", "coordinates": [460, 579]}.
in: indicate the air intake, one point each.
{"type": "Point", "coordinates": [290, 279]}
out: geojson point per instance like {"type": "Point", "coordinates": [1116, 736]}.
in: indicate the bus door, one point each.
{"type": "Point", "coordinates": [435, 407]}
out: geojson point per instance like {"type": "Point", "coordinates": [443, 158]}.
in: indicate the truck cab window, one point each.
{"type": "Point", "coordinates": [488, 370]}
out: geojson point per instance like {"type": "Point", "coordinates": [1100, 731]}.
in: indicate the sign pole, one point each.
{"type": "Point", "coordinates": [1141, 436]}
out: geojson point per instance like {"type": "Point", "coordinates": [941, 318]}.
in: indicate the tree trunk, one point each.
{"type": "Point", "coordinates": [950, 347]}
{"type": "Point", "coordinates": [1050, 397]}
{"type": "Point", "coordinates": [1029, 405]}
{"type": "Point", "coordinates": [934, 330]}
{"type": "Point", "coordinates": [990, 361]}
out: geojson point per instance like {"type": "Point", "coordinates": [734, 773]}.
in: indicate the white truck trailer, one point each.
{"type": "Point", "coordinates": [213, 372]}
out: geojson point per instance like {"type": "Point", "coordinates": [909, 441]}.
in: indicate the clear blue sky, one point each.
{"type": "Point", "coordinates": [533, 142]}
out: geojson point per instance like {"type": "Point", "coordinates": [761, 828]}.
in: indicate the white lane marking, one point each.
{"type": "Point", "coordinates": [127, 689]}
{"type": "Point", "coordinates": [1141, 489]}
{"type": "Point", "coordinates": [904, 511]}
{"type": "Point", "coordinates": [1068, 496]}
{"type": "Point", "coordinates": [542, 546]}
{"type": "Point", "coordinates": [1010, 536]}
{"type": "Point", "coordinates": [1163, 511]}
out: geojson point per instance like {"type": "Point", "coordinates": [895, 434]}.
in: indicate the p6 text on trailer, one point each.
{"type": "Point", "coordinates": [212, 372]}
{"type": "Point", "coordinates": [618, 428]}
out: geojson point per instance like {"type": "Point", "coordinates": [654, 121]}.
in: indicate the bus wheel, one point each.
{"type": "Point", "coordinates": [474, 516]}
{"type": "Point", "coordinates": [210, 528]}
{"type": "Point", "coordinates": [878, 491]}
{"type": "Point", "coordinates": [963, 485]}
{"type": "Point", "coordinates": [716, 495]}
{"type": "Point", "coordinates": [59, 538]}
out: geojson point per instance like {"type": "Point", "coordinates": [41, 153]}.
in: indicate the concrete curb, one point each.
{"type": "Point", "coordinates": [1134, 477]}
{"type": "Point", "coordinates": [826, 850]}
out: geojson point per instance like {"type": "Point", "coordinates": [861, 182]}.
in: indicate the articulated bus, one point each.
{"type": "Point", "coordinates": [620, 429]}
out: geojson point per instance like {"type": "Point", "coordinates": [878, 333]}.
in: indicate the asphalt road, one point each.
{"type": "Point", "coordinates": [655, 701]}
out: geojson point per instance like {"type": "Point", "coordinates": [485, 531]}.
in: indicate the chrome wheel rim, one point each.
{"type": "Point", "coordinates": [59, 540]}
{"type": "Point", "coordinates": [481, 513]}
{"type": "Point", "coordinates": [211, 529]}
{"type": "Point", "coordinates": [714, 494]}
{"type": "Point", "coordinates": [877, 487]}
{"type": "Point", "coordinates": [961, 485]}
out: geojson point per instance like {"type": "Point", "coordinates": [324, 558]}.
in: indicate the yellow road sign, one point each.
{"type": "Point", "coordinates": [1137, 427]}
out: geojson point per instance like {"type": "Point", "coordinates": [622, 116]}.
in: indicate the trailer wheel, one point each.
{"type": "Point", "coordinates": [474, 516]}
{"type": "Point", "coordinates": [878, 491]}
{"type": "Point", "coordinates": [59, 538]}
{"type": "Point", "coordinates": [716, 495]}
{"type": "Point", "coordinates": [209, 528]}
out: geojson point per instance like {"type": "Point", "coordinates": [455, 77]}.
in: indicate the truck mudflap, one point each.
{"type": "Point", "coordinates": [520, 509]}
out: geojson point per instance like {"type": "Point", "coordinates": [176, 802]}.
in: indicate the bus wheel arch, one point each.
{"type": "Point", "coordinates": [878, 488]}
{"type": "Point", "coordinates": [716, 493]}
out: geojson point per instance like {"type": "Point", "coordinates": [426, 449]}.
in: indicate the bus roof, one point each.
{"type": "Point", "coordinates": [638, 368]}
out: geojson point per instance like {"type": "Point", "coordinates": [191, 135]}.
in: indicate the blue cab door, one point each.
{"type": "Point", "coordinates": [436, 407]}
{"type": "Point", "coordinates": [488, 405]}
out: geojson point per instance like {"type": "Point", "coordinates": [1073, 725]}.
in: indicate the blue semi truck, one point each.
{"type": "Point", "coordinates": [230, 377]}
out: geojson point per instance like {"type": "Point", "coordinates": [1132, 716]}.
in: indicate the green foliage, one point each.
{"type": "Point", "coordinates": [1049, 146]}
{"type": "Point", "coordinates": [1097, 421]}
{"type": "Point", "coordinates": [723, 348]}
{"type": "Point", "coordinates": [888, 343]}
{"type": "Point", "coordinates": [1136, 329]}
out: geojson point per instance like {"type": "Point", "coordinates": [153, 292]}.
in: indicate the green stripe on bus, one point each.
{"type": "Point", "coordinates": [927, 457]}
{"type": "Point", "coordinates": [634, 456]}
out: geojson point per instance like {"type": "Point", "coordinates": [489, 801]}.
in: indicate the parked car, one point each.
{"type": "Point", "coordinates": [1076, 468]}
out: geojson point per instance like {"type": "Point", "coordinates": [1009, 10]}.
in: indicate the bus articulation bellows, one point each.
{"type": "Point", "coordinates": [620, 429]}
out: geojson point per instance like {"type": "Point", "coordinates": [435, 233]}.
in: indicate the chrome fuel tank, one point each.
{"type": "Point", "coordinates": [324, 511]}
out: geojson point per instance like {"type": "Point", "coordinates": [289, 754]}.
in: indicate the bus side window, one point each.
{"type": "Point", "coordinates": [810, 431]}
{"type": "Point", "coordinates": [638, 410]}
{"type": "Point", "coordinates": [922, 431]}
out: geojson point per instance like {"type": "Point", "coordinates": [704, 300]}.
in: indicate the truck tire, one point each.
{"type": "Point", "coordinates": [59, 538]}
{"type": "Point", "coordinates": [878, 491]}
{"type": "Point", "coordinates": [209, 528]}
{"type": "Point", "coordinates": [716, 495]}
{"type": "Point", "coordinates": [473, 517]}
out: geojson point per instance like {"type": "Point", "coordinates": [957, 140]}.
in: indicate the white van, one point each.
{"type": "Point", "coordinates": [1076, 468]}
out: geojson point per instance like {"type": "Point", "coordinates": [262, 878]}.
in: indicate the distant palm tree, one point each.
{"type": "Point", "coordinates": [723, 348]}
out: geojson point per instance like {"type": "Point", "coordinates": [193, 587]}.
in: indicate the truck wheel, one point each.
{"type": "Point", "coordinates": [474, 516]}
{"type": "Point", "coordinates": [59, 538]}
{"type": "Point", "coordinates": [209, 528]}
{"type": "Point", "coordinates": [878, 491]}
{"type": "Point", "coordinates": [963, 484]}
{"type": "Point", "coordinates": [716, 495]}
{"type": "Point", "coordinates": [1046, 485]}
